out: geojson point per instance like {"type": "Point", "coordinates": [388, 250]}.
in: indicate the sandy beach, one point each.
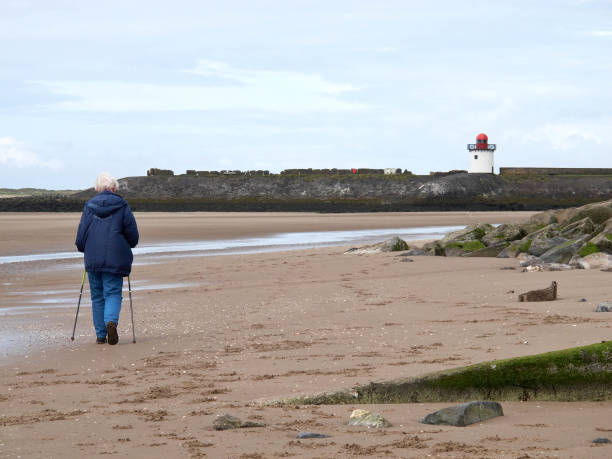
{"type": "Point", "coordinates": [219, 334]}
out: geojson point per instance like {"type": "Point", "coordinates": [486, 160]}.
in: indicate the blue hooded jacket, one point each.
{"type": "Point", "coordinates": [107, 233]}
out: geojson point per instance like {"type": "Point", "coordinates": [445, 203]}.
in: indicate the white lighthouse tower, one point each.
{"type": "Point", "coordinates": [481, 159]}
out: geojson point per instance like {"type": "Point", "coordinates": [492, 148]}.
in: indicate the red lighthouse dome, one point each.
{"type": "Point", "coordinates": [481, 141]}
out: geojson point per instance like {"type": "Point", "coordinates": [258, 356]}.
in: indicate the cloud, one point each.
{"type": "Point", "coordinates": [568, 136]}
{"type": "Point", "coordinates": [228, 89]}
{"type": "Point", "coordinates": [16, 154]}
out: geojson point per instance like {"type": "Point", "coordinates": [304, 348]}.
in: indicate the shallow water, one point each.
{"type": "Point", "coordinates": [21, 306]}
{"type": "Point", "coordinates": [270, 243]}
{"type": "Point", "coordinates": [36, 304]}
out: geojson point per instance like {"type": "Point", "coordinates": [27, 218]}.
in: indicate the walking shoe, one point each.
{"type": "Point", "coordinates": [111, 332]}
{"type": "Point", "coordinates": [100, 340]}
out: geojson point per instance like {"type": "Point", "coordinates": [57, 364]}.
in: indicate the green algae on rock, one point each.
{"type": "Point", "coordinates": [581, 373]}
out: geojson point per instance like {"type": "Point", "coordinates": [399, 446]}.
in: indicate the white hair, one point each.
{"type": "Point", "coordinates": [105, 181]}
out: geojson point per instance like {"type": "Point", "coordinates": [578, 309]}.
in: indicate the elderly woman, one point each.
{"type": "Point", "coordinates": [107, 233]}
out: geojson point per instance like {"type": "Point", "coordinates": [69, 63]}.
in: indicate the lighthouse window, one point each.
{"type": "Point", "coordinates": [475, 156]}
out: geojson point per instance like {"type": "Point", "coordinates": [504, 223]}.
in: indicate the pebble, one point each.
{"type": "Point", "coordinates": [582, 300]}
{"type": "Point", "coordinates": [227, 422]}
{"type": "Point", "coordinates": [367, 419]}
{"type": "Point", "coordinates": [311, 435]}
{"type": "Point", "coordinates": [606, 306]}
{"type": "Point", "coordinates": [601, 440]}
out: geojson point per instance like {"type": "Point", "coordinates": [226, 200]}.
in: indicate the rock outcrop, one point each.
{"type": "Point", "coordinates": [552, 240]}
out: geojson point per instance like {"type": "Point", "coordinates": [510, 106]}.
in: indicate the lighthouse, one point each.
{"type": "Point", "coordinates": [481, 159]}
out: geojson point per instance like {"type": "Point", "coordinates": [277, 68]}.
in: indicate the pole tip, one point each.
{"type": "Point", "coordinates": [134, 341]}
{"type": "Point", "coordinates": [72, 338]}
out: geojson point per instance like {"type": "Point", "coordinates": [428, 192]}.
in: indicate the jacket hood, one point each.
{"type": "Point", "coordinates": [105, 203]}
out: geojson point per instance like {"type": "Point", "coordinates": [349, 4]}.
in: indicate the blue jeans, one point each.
{"type": "Point", "coordinates": [106, 299]}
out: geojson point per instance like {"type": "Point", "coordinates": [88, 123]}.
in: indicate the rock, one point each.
{"type": "Point", "coordinates": [543, 218]}
{"type": "Point", "coordinates": [598, 261]}
{"type": "Point", "coordinates": [530, 269]}
{"type": "Point", "coordinates": [578, 262]}
{"type": "Point", "coordinates": [367, 419]}
{"type": "Point", "coordinates": [542, 244]}
{"type": "Point", "coordinates": [603, 240]}
{"type": "Point", "coordinates": [598, 212]}
{"type": "Point", "coordinates": [491, 251]}
{"type": "Point", "coordinates": [470, 233]}
{"type": "Point", "coordinates": [582, 300]}
{"type": "Point", "coordinates": [556, 267]}
{"type": "Point", "coordinates": [503, 233]}
{"type": "Point", "coordinates": [540, 267]}
{"type": "Point", "coordinates": [453, 252]}
{"type": "Point", "coordinates": [578, 228]}
{"type": "Point", "coordinates": [415, 251]}
{"type": "Point", "coordinates": [407, 260]}
{"type": "Point", "coordinates": [464, 414]}
{"type": "Point", "coordinates": [606, 306]}
{"type": "Point", "coordinates": [311, 435]}
{"type": "Point", "coordinates": [434, 248]}
{"type": "Point", "coordinates": [509, 252]}
{"type": "Point", "coordinates": [395, 244]}
{"type": "Point", "coordinates": [526, 259]}
{"type": "Point", "coordinates": [227, 422]}
{"type": "Point", "coordinates": [601, 440]}
{"type": "Point", "coordinates": [507, 268]}
{"type": "Point", "coordinates": [564, 252]}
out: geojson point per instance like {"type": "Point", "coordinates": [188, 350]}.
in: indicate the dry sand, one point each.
{"type": "Point", "coordinates": [243, 328]}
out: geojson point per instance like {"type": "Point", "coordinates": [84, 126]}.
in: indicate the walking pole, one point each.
{"type": "Point", "coordinates": [78, 307]}
{"type": "Point", "coordinates": [131, 310]}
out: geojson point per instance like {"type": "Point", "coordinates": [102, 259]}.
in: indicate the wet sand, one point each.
{"type": "Point", "coordinates": [24, 233]}
{"type": "Point", "coordinates": [241, 328]}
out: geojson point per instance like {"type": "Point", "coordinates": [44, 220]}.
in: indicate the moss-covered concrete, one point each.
{"type": "Point", "coordinates": [581, 373]}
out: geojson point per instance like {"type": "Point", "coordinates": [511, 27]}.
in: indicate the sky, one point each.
{"type": "Point", "coordinates": [122, 86]}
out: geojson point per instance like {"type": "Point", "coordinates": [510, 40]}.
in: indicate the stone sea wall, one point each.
{"type": "Point", "coordinates": [553, 171]}
{"type": "Point", "coordinates": [341, 193]}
